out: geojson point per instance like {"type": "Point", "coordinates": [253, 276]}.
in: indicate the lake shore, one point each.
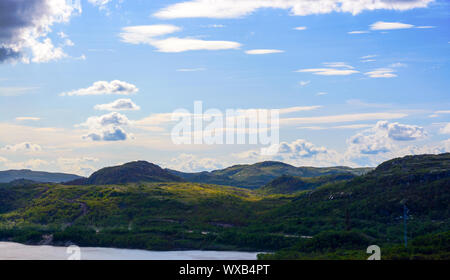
{"type": "Point", "coordinates": [17, 251]}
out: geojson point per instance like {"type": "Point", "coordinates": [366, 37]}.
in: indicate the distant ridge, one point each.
{"type": "Point", "coordinates": [132, 172]}
{"type": "Point", "coordinates": [261, 173]}
{"type": "Point", "coordinates": [287, 184]}
{"type": "Point", "coordinates": [36, 176]}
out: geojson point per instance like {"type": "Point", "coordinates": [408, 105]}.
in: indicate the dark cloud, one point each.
{"type": "Point", "coordinates": [18, 14]}
{"type": "Point", "coordinates": [7, 54]}
{"type": "Point", "coordinates": [26, 23]}
{"type": "Point", "coordinates": [114, 134]}
{"type": "Point", "coordinates": [15, 16]}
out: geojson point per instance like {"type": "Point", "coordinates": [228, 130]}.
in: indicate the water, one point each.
{"type": "Point", "coordinates": [16, 251]}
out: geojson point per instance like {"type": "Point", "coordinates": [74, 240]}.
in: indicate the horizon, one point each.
{"type": "Point", "coordinates": [72, 173]}
{"type": "Point", "coordinates": [90, 84]}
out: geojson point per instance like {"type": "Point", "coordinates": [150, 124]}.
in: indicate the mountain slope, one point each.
{"type": "Point", "coordinates": [287, 184]}
{"type": "Point", "coordinates": [374, 202]}
{"type": "Point", "coordinates": [164, 216]}
{"type": "Point", "coordinates": [373, 205]}
{"type": "Point", "coordinates": [37, 176]}
{"type": "Point", "coordinates": [132, 172]}
{"type": "Point", "coordinates": [260, 174]}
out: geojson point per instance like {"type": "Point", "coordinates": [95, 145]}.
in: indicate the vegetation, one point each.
{"type": "Point", "coordinates": [37, 176]}
{"type": "Point", "coordinates": [259, 174]}
{"type": "Point", "coordinates": [334, 217]}
{"type": "Point", "coordinates": [287, 184]}
{"type": "Point", "coordinates": [132, 172]}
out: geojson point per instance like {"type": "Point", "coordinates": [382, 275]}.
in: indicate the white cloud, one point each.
{"type": "Point", "coordinates": [333, 69]}
{"type": "Point", "coordinates": [289, 110]}
{"type": "Point", "coordinates": [27, 119]}
{"type": "Point", "coordinates": [304, 83]}
{"type": "Point", "coordinates": [445, 129]}
{"type": "Point", "coordinates": [425, 27]}
{"type": "Point", "coordinates": [240, 8]}
{"type": "Point", "coordinates": [147, 34]}
{"type": "Point", "coordinates": [81, 57]}
{"type": "Point", "coordinates": [45, 51]}
{"type": "Point", "coordinates": [104, 87]}
{"type": "Point", "coordinates": [118, 105]}
{"type": "Point", "coordinates": [300, 148]}
{"type": "Point", "coordinates": [368, 56]}
{"type": "Point", "coordinates": [62, 35]}
{"type": "Point", "coordinates": [328, 71]}
{"type": "Point", "coordinates": [107, 127]}
{"type": "Point", "coordinates": [382, 73]}
{"type": "Point", "coordinates": [29, 164]}
{"type": "Point", "coordinates": [439, 113]}
{"type": "Point", "coordinates": [15, 91]}
{"type": "Point", "coordinates": [190, 69]}
{"type": "Point", "coordinates": [300, 28]}
{"type": "Point", "coordinates": [77, 165]}
{"type": "Point", "coordinates": [358, 32]}
{"type": "Point", "coordinates": [216, 26]}
{"type": "Point", "coordinates": [342, 118]}
{"type": "Point", "coordinates": [299, 152]}
{"type": "Point", "coordinates": [69, 43]}
{"type": "Point", "coordinates": [350, 126]}
{"type": "Point", "coordinates": [176, 45]}
{"type": "Point", "coordinates": [26, 27]}
{"type": "Point", "coordinates": [398, 65]}
{"type": "Point", "coordinates": [263, 51]}
{"type": "Point", "coordinates": [22, 147]}
{"type": "Point", "coordinates": [382, 138]}
{"type": "Point", "coordinates": [155, 120]}
{"type": "Point", "coordinates": [402, 132]}
{"type": "Point", "coordinates": [99, 3]}
{"type": "Point", "coordinates": [382, 25]}
{"type": "Point", "coordinates": [144, 34]}
{"type": "Point", "coordinates": [321, 93]}
{"type": "Point", "coordinates": [194, 163]}
{"type": "Point", "coordinates": [338, 65]}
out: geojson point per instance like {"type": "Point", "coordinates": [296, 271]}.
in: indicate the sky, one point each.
{"type": "Point", "coordinates": [93, 83]}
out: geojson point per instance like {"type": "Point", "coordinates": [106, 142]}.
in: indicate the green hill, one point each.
{"type": "Point", "coordinates": [287, 184]}
{"type": "Point", "coordinates": [259, 174]}
{"type": "Point", "coordinates": [332, 220]}
{"type": "Point", "coordinates": [37, 176]}
{"type": "Point", "coordinates": [132, 172]}
{"type": "Point", "coordinates": [373, 204]}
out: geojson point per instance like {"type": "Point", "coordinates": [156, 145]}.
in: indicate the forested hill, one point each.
{"type": "Point", "coordinates": [259, 174]}
{"type": "Point", "coordinates": [37, 176]}
{"type": "Point", "coordinates": [132, 172]}
{"type": "Point", "coordinates": [328, 217]}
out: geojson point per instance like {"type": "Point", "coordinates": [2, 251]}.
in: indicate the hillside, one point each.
{"type": "Point", "coordinates": [333, 220]}
{"type": "Point", "coordinates": [373, 204]}
{"type": "Point", "coordinates": [132, 172]}
{"type": "Point", "coordinates": [259, 174]}
{"type": "Point", "coordinates": [287, 184]}
{"type": "Point", "coordinates": [37, 176]}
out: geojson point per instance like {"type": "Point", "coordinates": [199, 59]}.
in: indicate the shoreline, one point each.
{"type": "Point", "coordinates": [18, 251]}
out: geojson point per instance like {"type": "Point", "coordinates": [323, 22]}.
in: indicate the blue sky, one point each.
{"type": "Point", "coordinates": [370, 79]}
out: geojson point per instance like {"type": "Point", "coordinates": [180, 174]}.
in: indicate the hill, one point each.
{"type": "Point", "coordinates": [334, 220]}
{"type": "Point", "coordinates": [287, 184]}
{"type": "Point", "coordinates": [132, 172]}
{"type": "Point", "coordinates": [373, 204]}
{"type": "Point", "coordinates": [259, 174]}
{"type": "Point", "coordinates": [37, 176]}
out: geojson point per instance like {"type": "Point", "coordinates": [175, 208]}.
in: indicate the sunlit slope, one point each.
{"type": "Point", "coordinates": [259, 174]}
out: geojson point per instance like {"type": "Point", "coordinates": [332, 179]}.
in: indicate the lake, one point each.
{"type": "Point", "coordinates": [16, 251]}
